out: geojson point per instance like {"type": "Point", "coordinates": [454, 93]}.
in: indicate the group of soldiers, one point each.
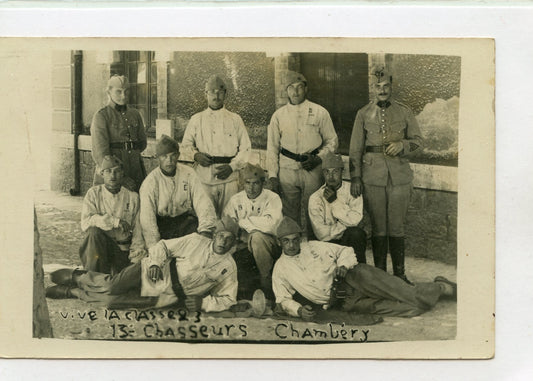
{"type": "Point", "coordinates": [290, 239]}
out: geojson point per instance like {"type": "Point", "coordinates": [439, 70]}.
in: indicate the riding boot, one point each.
{"type": "Point", "coordinates": [379, 250]}
{"type": "Point", "coordinates": [397, 253]}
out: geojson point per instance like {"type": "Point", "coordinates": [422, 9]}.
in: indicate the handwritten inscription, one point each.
{"type": "Point", "coordinates": [288, 331]}
{"type": "Point", "coordinates": [180, 324]}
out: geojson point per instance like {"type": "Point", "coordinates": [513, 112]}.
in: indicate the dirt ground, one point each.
{"type": "Point", "coordinates": [58, 220]}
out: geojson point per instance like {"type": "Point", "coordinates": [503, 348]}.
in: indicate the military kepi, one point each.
{"type": "Point", "coordinates": [165, 145]}
{"type": "Point", "coordinates": [118, 81]}
{"type": "Point", "coordinates": [251, 171]}
{"type": "Point", "coordinates": [215, 83]}
{"type": "Point", "coordinates": [293, 77]}
{"type": "Point", "coordinates": [287, 226]}
{"type": "Point", "coordinates": [109, 162]}
{"type": "Point", "coordinates": [227, 223]}
{"type": "Point", "coordinates": [380, 74]}
{"type": "Point", "coordinates": [331, 160]}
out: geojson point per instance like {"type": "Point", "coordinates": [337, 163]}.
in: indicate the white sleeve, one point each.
{"type": "Point", "coordinates": [90, 215]}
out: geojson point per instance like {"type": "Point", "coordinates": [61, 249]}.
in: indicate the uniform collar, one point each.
{"type": "Point", "coordinates": [383, 104]}
{"type": "Point", "coordinates": [214, 112]}
{"type": "Point", "coordinates": [297, 107]}
{"type": "Point", "coordinates": [112, 194]}
{"type": "Point", "coordinates": [119, 108]}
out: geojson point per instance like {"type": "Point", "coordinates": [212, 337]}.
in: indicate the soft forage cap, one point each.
{"type": "Point", "coordinates": [287, 226]}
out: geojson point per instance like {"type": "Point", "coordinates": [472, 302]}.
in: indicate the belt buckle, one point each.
{"type": "Point", "coordinates": [303, 157]}
{"type": "Point", "coordinates": [128, 146]}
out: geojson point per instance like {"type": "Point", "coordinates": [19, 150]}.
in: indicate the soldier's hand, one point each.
{"type": "Point", "coordinates": [311, 163]}
{"type": "Point", "coordinates": [306, 313]}
{"type": "Point", "coordinates": [340, 272]}
{"type": "Point", "coordinates": [394, 148]}
{"type": "Point", "coordinates": [124, 226]}
{"type": "Point", "coordinates": [222, 172]}
{"type": "Point", "coordinates": [155, 273]}
{"type": "Point", "coordinates": [356, 189]}
{"type": "Point", "coordinates": [273, 184]}
{"type": "Point", "coordinates": [193, 303]}
{"type": "Point", "coordinates": [203, 159]}
{"type": "Point", "coordinates": [330, 194]}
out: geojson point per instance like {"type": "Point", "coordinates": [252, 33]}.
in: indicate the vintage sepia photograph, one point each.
{"type": "Point", "coordinates": [260, 192]}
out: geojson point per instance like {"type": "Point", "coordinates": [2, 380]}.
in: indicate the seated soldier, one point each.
{"type": "Point", "coordinates": [258, 212]}
{"type": "Point", "coordinates": [306, 272]}
{"type": "Point", "coordinates": [173, 201]}
{"type": "Point", "coordinates": [334, 212]}
{"type": "Point", "coordinates": [194, 270]}
{"type": "Point", "coordinates": [110, 216]}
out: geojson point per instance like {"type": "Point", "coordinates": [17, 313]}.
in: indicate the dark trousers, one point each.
{"type": "Point", "coordinates": [373, 291]}
{"type": "Point", "coordinates": [99, 252]}
{"type": "Point", "coordinates": [179, 226]}
{"type": "Point", "coordinates": [354, 237]}
{"type": "Point", "coordinates": [122, 290]}
{"type": "Point", "coordinates": [248, 274]}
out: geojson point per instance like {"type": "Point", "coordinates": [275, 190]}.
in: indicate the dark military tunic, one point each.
{"type": "Point", "coordinates": [119, 131]}
{"type": "Point", "coordinates": [387, 179]}
{"type": "Point", "coordinates": [380, 126]}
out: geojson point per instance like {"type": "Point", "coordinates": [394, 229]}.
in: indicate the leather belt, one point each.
{"type": "Point", "coordinates": [296, 156]}
{"type": "Point", "coordinates": [375, 149]}
{"type": "Point", "coordinates": [176, 285]}
{"type": "Point", "coordinates": [127, 146]}
{"type": "Point", "coordinates": [222, 159]}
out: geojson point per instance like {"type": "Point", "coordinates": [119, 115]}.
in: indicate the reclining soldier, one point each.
{"type": "Point", "coordinates": [194, 270]}
{"type": "Point", "coordinates": [305, 274]}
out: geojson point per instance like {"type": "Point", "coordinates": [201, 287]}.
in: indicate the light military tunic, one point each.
{"type": "Point", "coordinates": [299, 129]}
{"type": "Point", "coordinates": [309, 273]}
{"type": "Point", "coordinates": [104, 210]}
{"type": "Point", "coordinates": [262, 213]}
{"type": "Point", "coordinates": [216, 133]}
{"type": "Point", "coordinates": [330, 220]}
{"type": "Point", "coordinates": [166, 196]}
{"type": "Point", "coordinates": [200, 271]}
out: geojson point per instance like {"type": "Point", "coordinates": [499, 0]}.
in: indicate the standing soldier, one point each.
{"type": "Point", "coordinates": [219, 143]}
{"type": "Point", "coordinates": [118, 130]}
{"type": "Point", "coordinates": [299, 135]}
{"type": "Point", "coordinates": [384, 134]}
